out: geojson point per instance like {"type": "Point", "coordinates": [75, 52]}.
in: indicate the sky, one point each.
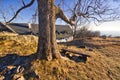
{"type": "Point", "coordinates": [107, 28]}
{"type": "Point", "coordinates": [24, 16]}
{"type": "Point", "coordinates": [9, 6]}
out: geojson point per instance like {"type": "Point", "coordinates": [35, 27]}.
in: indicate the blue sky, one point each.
{"type": "Point", "coordinates": [26, 15]}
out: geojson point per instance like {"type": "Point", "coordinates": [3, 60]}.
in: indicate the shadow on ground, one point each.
{"type": "Point", "coordinates": [14, 67]}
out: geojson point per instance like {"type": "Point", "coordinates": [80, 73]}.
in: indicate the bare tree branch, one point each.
{"type": "Point", "coordinates": [86, 11]}
{"type": "Point", "coordinates": [22, 8]}
{"type": "Point", "coordinates": [23, 2]}
{"type": "Point", "coordinates": [3, 15]}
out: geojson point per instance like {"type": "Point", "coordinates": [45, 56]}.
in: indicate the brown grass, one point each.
{"type": "Point", "coordinates": [22, 44]}
{"type": "Point", "coordinates": [103, 65]}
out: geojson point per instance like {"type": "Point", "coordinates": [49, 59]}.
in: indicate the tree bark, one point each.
{"type": "Point", "coordinates": [47, 45]}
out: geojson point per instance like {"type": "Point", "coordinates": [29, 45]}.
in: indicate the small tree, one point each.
{"type": "Point", "coordinates": [85, 32]}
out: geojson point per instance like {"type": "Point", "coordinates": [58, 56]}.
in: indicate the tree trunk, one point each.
{"type": "Point", "coordinates": [47, 45]}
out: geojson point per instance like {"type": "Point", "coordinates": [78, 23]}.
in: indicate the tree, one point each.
{"type": "Point", "coordinates": [47, 41]}
{"type": "Point", "coordinates": [48, 13]}
{"type": "Point", "coordinates": [86, 11]}
{"type": "Point", "coordinates": [84, 32]}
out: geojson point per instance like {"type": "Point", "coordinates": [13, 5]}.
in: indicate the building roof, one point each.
{"type": "Point", "coordinates": [23, 28]}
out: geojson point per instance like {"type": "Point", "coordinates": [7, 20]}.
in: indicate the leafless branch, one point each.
{"type": "Point", "coordinates": [22, 8]}
{"type": "Point", "coordinates": [86, 11]}
{"type": "Point", "coordinates": [3, 15]}
{"type": "Point", "coordinates": [23, 2]}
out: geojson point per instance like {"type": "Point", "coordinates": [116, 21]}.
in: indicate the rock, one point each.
{"type": "Point", "coordinates": [4, 71]}
{"type": "Point", "coordinates": [11, 67]}
{"type": "Point", "coordinates": [2, 77]}
{"type": "Point", "coordinates": [12, 73]}
{"type": "Point", "coordinates": [90, 49]}
{"type": "Point", "coordinates": [18, 73]}
{"type": "Point", "coordinates": [19, 69]}
{"type": "Point", "coordinates": [82, 46]}
{"type": "Point", "coordinates": [18, 76]}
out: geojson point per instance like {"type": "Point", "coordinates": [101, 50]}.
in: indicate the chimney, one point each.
{"type": "Point", "coordinates": [29, 25]}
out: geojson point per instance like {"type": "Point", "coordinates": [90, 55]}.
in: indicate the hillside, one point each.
{"type": "Point", "coordinates": [17, 60]}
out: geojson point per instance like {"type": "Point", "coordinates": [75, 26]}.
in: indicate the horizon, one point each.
{"type": "Point", "coordinates": [107, 28]}
{"type": "Point", "coordinates": [111, 33]}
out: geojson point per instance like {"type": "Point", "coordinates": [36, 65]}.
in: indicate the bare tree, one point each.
{"type": "Point", "coordinates": [86, 11]}
{"type": "Point", "coordinates": [19, 10]}
{"type": "Point", "coordinates": [3, 15]}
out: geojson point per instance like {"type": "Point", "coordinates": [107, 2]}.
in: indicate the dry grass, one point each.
{"type": "Point", "coordinates": [103, 65]}
{"type": "Point", "coordinates": [22, 44]}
